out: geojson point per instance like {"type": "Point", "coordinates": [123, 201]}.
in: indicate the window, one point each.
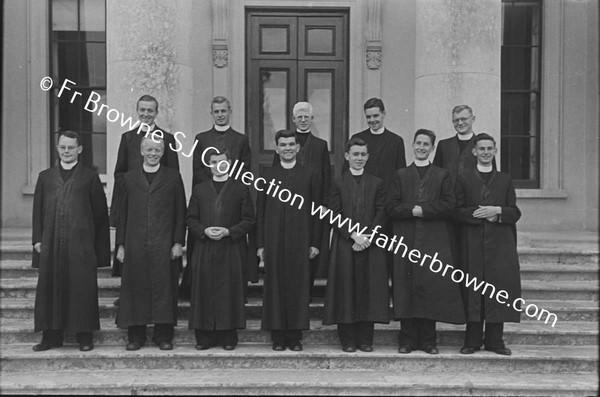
{"type": "Point", "coordinates": [520, 91]}
{"type": "Point", "coordinates": [78, 53]}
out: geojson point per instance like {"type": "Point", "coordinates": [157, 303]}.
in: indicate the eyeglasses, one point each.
{"type": "Point", "coordinates": [461, 120]}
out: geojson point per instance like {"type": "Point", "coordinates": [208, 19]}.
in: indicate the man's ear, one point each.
{"type": "Point", "coordinates": [474, 151]}
{"type": "Point", "coordinates": [347, 156]}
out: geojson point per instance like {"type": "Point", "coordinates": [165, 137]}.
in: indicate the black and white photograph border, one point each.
{"type": "Point", "coordinates": [526, 69]}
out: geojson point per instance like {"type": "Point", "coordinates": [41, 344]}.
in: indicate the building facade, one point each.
{"type": "Point", "coordinates": [529, 70]}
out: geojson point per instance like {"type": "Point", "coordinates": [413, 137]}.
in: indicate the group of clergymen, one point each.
{"type": "Point", "coordinates": [459, 208]}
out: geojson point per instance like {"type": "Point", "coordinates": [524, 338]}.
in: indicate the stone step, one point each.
{"type": "Point", "coordinates": [549, 272]}
{"type": "Point", "coordinates": [525, 359]}
{"type": "Point", "coordinates": [565, 310]}
{"type": "Point", "coordinates": [532, 289]}
{"type": "Point", "coordinates": [295, 382]}
{"type": "Point", "coordinates": [526, 333]}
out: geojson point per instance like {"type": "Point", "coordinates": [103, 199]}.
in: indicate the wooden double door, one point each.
{"type": "Point", "coordinates": [293, 56]}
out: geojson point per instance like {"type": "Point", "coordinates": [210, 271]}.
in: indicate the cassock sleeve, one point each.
{"type": "Point", "coordinates": [37, 220]}
{"type": "Point", "coordinates": [192, 218]}
{"type": "Point", "coordinates": [247, 222]}
{"type": "Point", "coordinates": [197, 165]}
{"type": "Point", "coordinates": [101, 224]}
{"type": "Point", "coordinates": [122, 220]}
{"type": "Point", "coordinates": [380, 217]}
{"type": "Point", "coordinates": [397, 208]}
{"type": "Point", "coordinates": [438, 160]}
{"type": "Point", "coordinates": [444, 205]}
{"type": "Point", "coordinates": [463, 214]}
{"type": "Point", "coordinates": [246, 154]}
{"type": "Point", "coordinates": [261, 202]}
{"type": "Point", "coordinates": [121, 167]}
{"type": "Point", "coordinates": [179, 224]}
{"type": "Point", "coordinates": [510, 212]}
{"type": "Point", "coordinates": [172, 156]}
{"type": "Point", "coordinates": [401, 156]}
{"type": "Point", "coordinates": [316, 196]}
{"type": "Point", "coordinates": [335, 205]}
{"type": "Point", "coordinates": [326, 181]}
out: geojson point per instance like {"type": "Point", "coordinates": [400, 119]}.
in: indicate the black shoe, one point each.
{"type": "Point", "coordinates": [505, 351]}
{"type": "Point", "coordinates": [349, 349]}
{"type": "Point", "coordinates": [278, 347]}
{"type": "Point", "coordinates": [133, 346]}
{"type": "Point", "coordinates": [40, 347]}
{"type": "Point", "coordinates": [165, 346]}
{"type": "Point", "coordinates": [469, 350]}
{"type": "Point", "coordinates": [86, 347]}
{"type": "Point", "coordinates": [404, 349]}
{"type": "Point", "coordinates": [229, 347]}
{"type": "Point", "coordinates": [296, 347]}
{"type": "Point", "coordinates": [432, 350]}
{"type": "Point", "coordinates": [116, 302]}
{"type": "Point", "coordinates": [365, 348]}
{"type": "Point", "coordinates": [203, 347]}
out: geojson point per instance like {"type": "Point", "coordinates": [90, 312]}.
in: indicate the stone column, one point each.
{"type": "Point", "coordinates": [458, 62]}
{"type": "Point", "coordinates": [148, 46]}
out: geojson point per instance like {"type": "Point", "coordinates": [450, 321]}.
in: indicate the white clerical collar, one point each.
{"type": "Point", "coordinates": [222, 128]}
{"type": "Point", "coordinates": [151, 169]}
{"type": "Point", "coordinates": [357, 172]}
{"type": "Point", "coordinates": [68, 166]}
{"type": "Point", "coordinates": [377, 132]}
{"type": "Point", "coordinates": [220, 178]}
{"type": "Point", "coordinates": [288, 166]}
{"type": "Point", "coordinates": [465, 137]}
{"type": "Point", "coordinates": [484, 168]}
{"type": "Point", "coordinates": [421, 163]}
{"type": "Point", "coordinates": [150, 127]}
{"type": "Point", "coordinates": [302, 132]}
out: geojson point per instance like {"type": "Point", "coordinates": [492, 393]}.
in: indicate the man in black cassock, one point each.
{"type": "Point", "coordinates": [219, 216]}
{"type": "Point", "coordinates": [386, 148]}
{"type": "Point", "coordinates": [357, 287]}
{"type": "Point", "coordinates": [129, 157]}
{"type": "Point", "coordinates": [150, 237]}
{"type": "Point", "coordinates": [487, 212]}
{"type": "Point", "coordinates": [287, 237]}
{"type": "Point", "coordinates": [223, 138]}
{"type": "Point", "coordinates": [70, 240]}
{"type": "Point", "coordinates": [421, 201]}
{"type": "Point", "coordinates": [314, 153]}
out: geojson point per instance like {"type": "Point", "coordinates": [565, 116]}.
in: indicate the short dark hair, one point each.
{"type": "Point", "coordinates": [215, 152]}
{"type": "Point", "coordinates": [70, 134]}
{"type": "Point", "coordinates": [220, 99]}
{"type": "Point", "coordinates": [484, 137]}
{"type": "Point", "coordinates": [460, 108]}
{"type": "Point", "coordinates": [356, 142]}
{"type": "Point", "coordinates": [374, 103]}
{"type": "Point", "coordinates": [285, 134]}
{"type": "Point", "coordinates": [147, 98]}
{"type": "Point", "coordinates": [423, 131]}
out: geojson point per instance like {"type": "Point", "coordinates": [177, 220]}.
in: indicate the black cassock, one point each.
{"type": "Point", "coordinates": [235, 142]}
{"type": "Point", "coordinates": [386, 154]}
{"type": "Point", "coordinates": [489, 249]}
{"type": "Point", "coordinates": [449, 156]}
{"type": "Point", "coordinates": [357, 286]}
{"type": "Point", "coordinates": [70, 219]}
{"type": "Point", "coordinates": [151, 222]}
{"type": "Point", "coordinates": [315, 155]}
{"type": "Point", "coordinates": [129, 157]}
{"type": "Point", "coordinates": [286, 233]}
{"type": "Point", "coordinates": [217, 266]}
{"type": "Point", "coordinates": [418, 292]}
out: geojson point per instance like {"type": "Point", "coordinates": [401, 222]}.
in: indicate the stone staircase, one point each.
{"type": "Point", "coordinates": [559, 273]}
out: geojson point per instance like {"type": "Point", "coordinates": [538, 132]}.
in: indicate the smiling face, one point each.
{"type": "Point", "coordinates": [422, 147]}
{"type": "Point", "coordinates": [463, 122]}
{"type": "Point", "coordinates": [485, 151]}
{"type": "Point", "coordinates": [152, 151]}
{"type": "Point", "coordinates": [221, 113]}
{"type": "Point", "coordinates": [147, 111]}
{"type": "Point", "coordinates": [357, 157]}
{"type": "Point", "coordinates": [375, 117]}
{"type": "Point", "coordinates": [68, 149]}
{"type": "Point", "coordinates": [287, 149]}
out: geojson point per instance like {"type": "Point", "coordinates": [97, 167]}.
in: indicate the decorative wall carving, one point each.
{"type": "Point", "coordinates": [220, 57]}
{"type": "Point", "coordinates": [373, 34]}
{"type": "Point", "coordinates": [373, 59]}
